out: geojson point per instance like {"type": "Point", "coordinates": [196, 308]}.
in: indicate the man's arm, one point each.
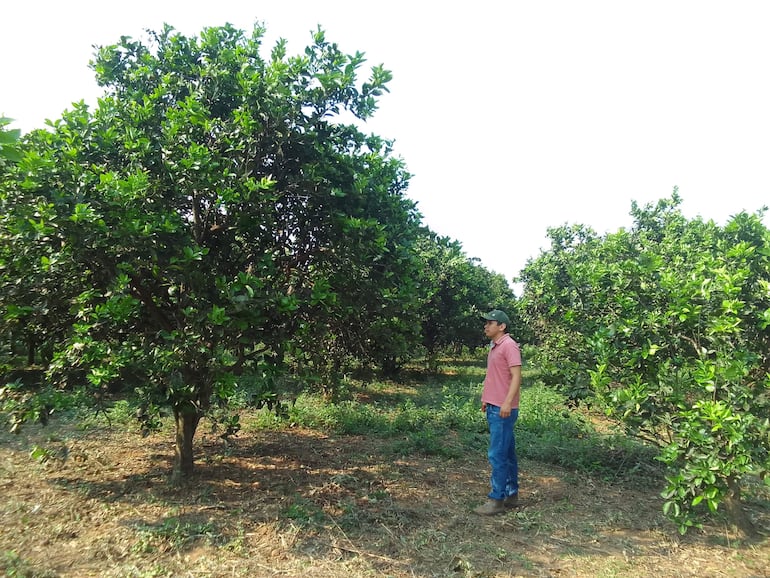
{"type": "Point", "coordinates": [513, 390]}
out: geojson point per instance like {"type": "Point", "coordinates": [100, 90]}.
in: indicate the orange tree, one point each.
{"type": "Point", "coordinates": [667, 325]}
{"type": "Point", "coordinates": [8, 142]}
{"type": "Point", "coordinates": [454, 290]}
{"type": "Point", "coordinates": [213, 226]}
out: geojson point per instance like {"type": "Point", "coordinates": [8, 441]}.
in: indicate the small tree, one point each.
{"type": "Point", "coordinates": [671, 323]}
{"type": "Point", "coordinates": [558, 306]}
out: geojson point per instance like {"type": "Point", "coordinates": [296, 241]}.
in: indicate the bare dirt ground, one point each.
{"type": "Point", "coordinates": [300, 503]}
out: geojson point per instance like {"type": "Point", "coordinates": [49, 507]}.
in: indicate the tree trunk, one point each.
{"type": "Point", "coordinates": [735, 512]}
{"type": "Point", "coordinates": [186, 424]}
{"type": "Point", "coordinates": [30, 351]}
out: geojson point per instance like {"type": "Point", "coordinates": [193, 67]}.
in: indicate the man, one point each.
{"type": "Point", "coordinates": [500, 402]}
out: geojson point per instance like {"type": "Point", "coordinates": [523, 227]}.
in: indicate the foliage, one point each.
{"type": "Point", "coordinates": [554, 307]}
{"type": "Point", "coordinates": [669, 322]}
{"type": "Point", "coordinates": [9, 142]}
{"type": "Point", "coordinates": [172, 533]}
{"type": "Point", "coordinates": [551, 433]}
{"type": "Point", "coordinates": [455, 290]}
{"type": "Point", "coordinates": [24, 318]}
{"type": "Point", "coordinates": [212, 224]}
{"type": "Point", "coordinates": [20, 404]}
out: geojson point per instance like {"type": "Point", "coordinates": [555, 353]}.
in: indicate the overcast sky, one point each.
{"type": "Point", "coordinates": [513, 116]}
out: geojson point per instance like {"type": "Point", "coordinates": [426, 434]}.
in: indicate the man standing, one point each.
{"type": "Point", "coordinates": [500, 401]}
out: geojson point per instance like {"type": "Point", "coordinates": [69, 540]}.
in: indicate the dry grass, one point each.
{"type": "Point", "coordinates": [300, 503]}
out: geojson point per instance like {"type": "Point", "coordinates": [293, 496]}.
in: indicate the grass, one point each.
{"type": "Point", "coordinates": [443, 419]}
{"type": "Point", "coordinates": [171, 534]}
{"type": "Point", "coordinates": [380, 481]}
{"type": "Point", "coordinates": [16, 567]}
{"type": "Point", "coordinates": [439, 415]}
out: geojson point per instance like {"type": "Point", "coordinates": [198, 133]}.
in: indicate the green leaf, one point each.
{"type": "Point", "coordinates": [697, 500]}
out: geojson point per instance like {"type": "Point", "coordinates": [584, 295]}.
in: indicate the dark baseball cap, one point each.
{"type": "Point", "coordinates": [497, 315]}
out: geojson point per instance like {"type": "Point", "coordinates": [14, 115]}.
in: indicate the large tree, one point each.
{"type": "Point", "coordinates": [219, 220]}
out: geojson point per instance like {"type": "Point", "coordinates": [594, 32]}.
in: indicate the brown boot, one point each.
{"type": "Point", "coordinates": [490, 508]}
{"type": "Point", "coordinates": [511, 501]}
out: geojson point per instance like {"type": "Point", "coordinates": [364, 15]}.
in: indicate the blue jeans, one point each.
{"type": "Point", "coordinates": [502, 453]}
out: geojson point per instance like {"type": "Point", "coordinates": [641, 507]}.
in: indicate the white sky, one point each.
{"type": "Point", "coordinates": [513, 116]}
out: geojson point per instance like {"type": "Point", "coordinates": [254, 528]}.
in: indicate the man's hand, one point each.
{"type": "Point", "coordinates": [484, 406]}
{"type": "Point", "coordinates": [505, 410]}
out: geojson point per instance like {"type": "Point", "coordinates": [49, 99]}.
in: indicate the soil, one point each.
{"type": "Point", "coordinates": [297, 502]}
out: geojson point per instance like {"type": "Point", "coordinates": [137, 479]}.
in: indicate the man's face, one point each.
{"type": "Point", "coordinates": [493, 330]}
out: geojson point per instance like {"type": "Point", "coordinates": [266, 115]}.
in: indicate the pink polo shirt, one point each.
{"type": "Point", "coordinates": [503, 355]}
